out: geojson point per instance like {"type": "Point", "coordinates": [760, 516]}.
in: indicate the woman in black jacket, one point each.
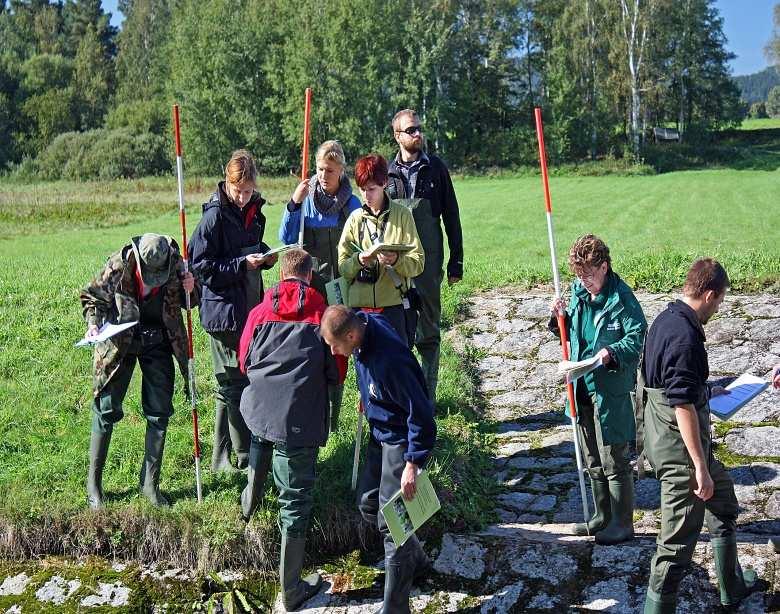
{"type": "Point", "coordinates": [226, 251]}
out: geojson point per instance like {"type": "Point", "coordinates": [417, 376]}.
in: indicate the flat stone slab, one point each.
{"type": "Point", "coordinates": [14, 585]}
{"type": "Point", "coordinates": [755, 441]}
{"type": "Point", "coordinates": [114, 595]}
{"type": "Point", "coordinates": [57, 590]}
{"type": "Point", "coordinates": [461, 556]}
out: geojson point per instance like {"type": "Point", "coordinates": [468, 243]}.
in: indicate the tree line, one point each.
{"type": "Point", "coordinates": [79, 98]}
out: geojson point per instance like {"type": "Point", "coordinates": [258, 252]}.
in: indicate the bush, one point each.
{"type": "Point", "coordinates": [104, 154]}
{"type": "Point", "coordinates": [773, 102]}
{"type": "Point", "coordinates": [758, 111]}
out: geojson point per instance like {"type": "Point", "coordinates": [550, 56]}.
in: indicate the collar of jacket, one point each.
{"type": "Point", "coordinates": [385, 208]}
{"type": "Point", "coordinates": [689, 314]}
{"type": "Point", "coordinates": [423, 159]}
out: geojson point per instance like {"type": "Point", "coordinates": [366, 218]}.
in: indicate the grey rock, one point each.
{"type": "Point", "coordinates": [461, 556]}
{"type": "Point", "coordinates": [755, 441]}
{"type": "Point", "coordinates": [764, 408]}
{"type": "Point", "coordinates": [767, 475]}
{"type": "Point", "coordinates": [733, 360]}
{"type": "Point", "coordinates": [548, 563]}
{"type": "Point", "coordinates": [763, 330]}
{"type": "Point", "coordinates": [538, 483]}
{"type": "Point", "coordinates": [622, 559]}
{"type": "Point", "coordinates": [543, 601]}
{"type": "Point", "coordinates": [519, 345]}
{"type": "Point", "coordinates": [570, 509]}
{"type": "Point", "coordinates": [503, 599]}
{"type": "Point", "coordinates": [512, 448]}
{"type": "Point", "coordinates": [562, 479]}
{"type": "Point", "coordinates": [559, 442]}
{"type": "Point", "coordinates": [543, 375]}
{"type": "Point", "coordinates": [514, 429]}
{"type": "Point", "coordinates": [611, 596]}
{"type": "Point", "coordinates": [724, 330]}
{"type": "Point", "coordinates": [772, 509]}
{"type": "Point", "coordinates": [57, 590]}
{"type": "Point", "coordinates": [483, 341]}
{"type": "Point", "coordinates": [517, 501]}
{"type": "Point", "coordinates": [14, 585]}
{"type": "Point", "coordinates": [14, 609]}
{"type": "Point", "coordinates": [514, 326]}
{"type": "Point", "coordinates": [439, 602]}
{"type": "Point", "coordinates": [537, 308]}
{"type": "Point", "coordinates": [550, 352]}
{"type": "Point", "coordinates": [115, 595]}
{"type": "Point", "coordinates": [528, 399]}
{"type": "Point", "coordinates": [539, 462]}
{"type": "Point", "coordinates": [761, 308]}
{"type": "Point", "coordinates": [647, 494]}
{"type": "Point", "coordinates": [503, 382]}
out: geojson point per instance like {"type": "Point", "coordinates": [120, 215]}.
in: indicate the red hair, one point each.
{"type": "Point", "coordinates": [371, 168]}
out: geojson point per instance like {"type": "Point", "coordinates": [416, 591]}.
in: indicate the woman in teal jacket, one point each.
{"type": "Point", "coordinates": [604, 318]}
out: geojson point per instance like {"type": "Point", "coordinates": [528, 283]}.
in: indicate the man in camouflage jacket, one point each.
{"type": "Point", "coordinates": [143, 282]}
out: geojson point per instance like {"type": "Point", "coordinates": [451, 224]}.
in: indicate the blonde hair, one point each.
{"type": "Point", "coordinates": [331, 151]}
{"type": "Point", "coordinates": [241, 168]}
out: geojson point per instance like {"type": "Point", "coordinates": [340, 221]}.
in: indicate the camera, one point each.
{"type": "Point", "coordinates": [367, 275]}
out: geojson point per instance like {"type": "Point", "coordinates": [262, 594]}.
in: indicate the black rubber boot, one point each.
{"type": "Point", "coordinates": [601, 513]}
{"type": "Point", "coordinates": [294, 590]}
{"type": "Point", "coordinates": [260, 455]}
{"type": "Point", "coordinates": [220, 456]}
{"type": "Point", "coordinates": [734, 584]}
{"type": "Point", "coordinates": [621, 525]}
{"type": "Point", "coordinates": [150, 469]}
{"type": "Point", "coordinates": [98, 451]}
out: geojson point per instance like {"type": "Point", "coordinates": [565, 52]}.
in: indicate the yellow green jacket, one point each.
{"type": "Point", "coordinates": [394, 224]}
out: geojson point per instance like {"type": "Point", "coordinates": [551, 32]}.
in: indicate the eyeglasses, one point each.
{"type": "Point", "coordinates": [412, 130]}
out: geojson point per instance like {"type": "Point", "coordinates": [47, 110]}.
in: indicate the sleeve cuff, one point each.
{"type": "Point", "coordinates": [292, 206]}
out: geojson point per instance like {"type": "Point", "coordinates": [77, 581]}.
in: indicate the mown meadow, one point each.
{"type": "Point", "coordinates": [55, 236]}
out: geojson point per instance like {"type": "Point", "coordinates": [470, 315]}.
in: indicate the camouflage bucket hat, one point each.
{"type": "Point", "coordinates": [153, 252]}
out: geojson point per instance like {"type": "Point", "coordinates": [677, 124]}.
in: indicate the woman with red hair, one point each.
{"type": "Point", "coordinates": [380, 280]}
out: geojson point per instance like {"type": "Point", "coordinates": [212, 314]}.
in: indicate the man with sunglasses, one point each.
{"type": "Point", "coordinates": [422, 182]}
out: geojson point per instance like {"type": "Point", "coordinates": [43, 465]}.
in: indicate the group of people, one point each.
{"type": "Point", "coordinates": [654, 382]}
{"type": "Point", "coordinates": [280, 357]}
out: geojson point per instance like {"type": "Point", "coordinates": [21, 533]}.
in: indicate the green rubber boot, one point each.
{"type": "Point", "coordinates": [294, 590]}
{"type": "Point", "coordinates": [621, 500]}
{"type": "Point", "coordinates": [655, 605]}
{"type": "Point", "coordinates": [98, 451]}
{"type": "Point", "coordinates": [150, 469]}
{"type": "Point", "coordinates": [260, 456]}
{"type": "Point", "coordinates": [734, 584]}
{"type": "Point", "coordinates": [601, 512]}
{"type": "Point", "coordinates": [220, 456]}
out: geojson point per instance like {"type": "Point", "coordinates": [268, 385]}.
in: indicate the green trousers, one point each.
{"type": "Point", "coordinates": [230, 385]}
{"type": "Point", "coordinates": [682, 512]}
{"type": "Point", "coordinates": [295, 471]}
{"type": "Point", "coordinates": [157, 373]}
{"type": "Point", "coordinates": [602, 461]}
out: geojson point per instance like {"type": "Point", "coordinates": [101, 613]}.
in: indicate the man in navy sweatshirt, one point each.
{"type": "Point", "coordinates": [403, 432]}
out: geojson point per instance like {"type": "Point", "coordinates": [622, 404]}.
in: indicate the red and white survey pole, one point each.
{"type": "Point", "coordinates": [305, 154]}
{"type": "Point", "coordinates": [561, 319]}
{"type": "Point", "coordinates": [184, 253]}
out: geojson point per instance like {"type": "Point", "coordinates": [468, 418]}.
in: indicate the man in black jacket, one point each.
{"type": "Point", "coordinates": [422, 182]}
{"type": "Point", "coordinates": [695, 487]}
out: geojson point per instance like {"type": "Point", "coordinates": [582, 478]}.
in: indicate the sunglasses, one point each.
{"type": "Point", "coordinates": [412, 130]}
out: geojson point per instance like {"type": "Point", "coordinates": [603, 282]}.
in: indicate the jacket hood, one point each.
{"type": "Point", "coordinates": [288, 299]}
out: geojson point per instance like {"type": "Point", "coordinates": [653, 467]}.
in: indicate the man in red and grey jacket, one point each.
{"type": "Point", "coordinates": [286, 408]}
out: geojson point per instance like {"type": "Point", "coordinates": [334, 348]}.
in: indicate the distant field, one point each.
{"type": "Point", "coordinates": [760, 124]}
{"type": "Point", "coordinates": [56, 236]}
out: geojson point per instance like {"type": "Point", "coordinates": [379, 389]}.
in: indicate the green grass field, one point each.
{"type": "Point", "coordinates": [760, 124]}
{"type": "Point", "coordinates": [56, 236]}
